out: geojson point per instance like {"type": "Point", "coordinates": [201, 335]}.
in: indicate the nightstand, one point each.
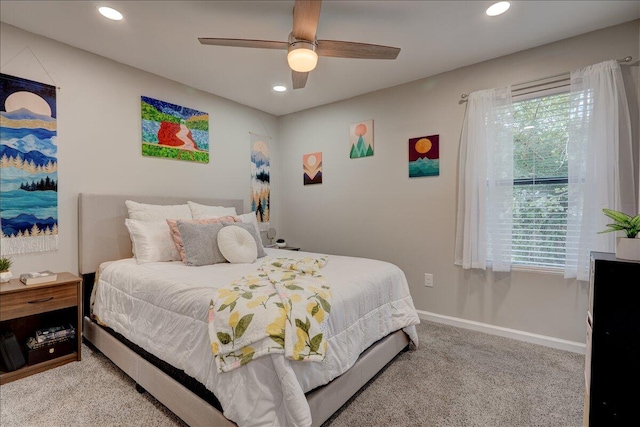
{"type": "Point", "coordinates": [26, 308]}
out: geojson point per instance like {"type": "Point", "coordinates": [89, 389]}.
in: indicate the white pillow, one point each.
{"type": "Point", "coordinates": [146, 212]}
{"type": "Point", "coordinates": [237, 245]}
{"type": "Point", "coordinates": [250, 218]}
{"type": "Point", "coordinates": [151, 241]}
{"type": "Point", "coordinates": [199, 211]}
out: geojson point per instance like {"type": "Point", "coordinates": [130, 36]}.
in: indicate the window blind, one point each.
{"type": "Point", "coordinates": [539, 228]}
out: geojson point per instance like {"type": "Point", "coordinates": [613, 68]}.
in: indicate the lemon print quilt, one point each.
{"type": "Point", "coordinates": [280, 309]}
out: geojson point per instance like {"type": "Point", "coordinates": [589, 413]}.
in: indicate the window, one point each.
{"type": "Point", "coordinates": [540, 180]}
{"type": "Point", "coordinates": [535, 173]}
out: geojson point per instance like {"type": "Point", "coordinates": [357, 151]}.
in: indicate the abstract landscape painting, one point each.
{"type": "Point", "coordinates": [28, 166]}
{"type": "Point", "coordinates": [260, 179]}
{"type": "Point", "coordinates": [174, 132]}
{"type": "Point", "coordinates": [312, 168]}
{"type": "Point", "coordinates": [424, 156]}
{"type": "Point", "coordinates": [361, 139]}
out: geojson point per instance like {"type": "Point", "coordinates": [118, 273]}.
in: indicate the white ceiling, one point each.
{"type": "Point", "coordinates": [161, 37]}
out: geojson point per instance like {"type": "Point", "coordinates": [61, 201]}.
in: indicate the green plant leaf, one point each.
{"type": "Point", "coordinates": [617, 215]}
{"type": "Point", "coordinates": [314, 344]}
{"type": "Point", "coordinates": [246, 359]}
{"type": "Point", "coordinates": [623, 222]}
{"type": "Point", "coordinates": [5, 264]}
{"type": "Point", "coordinates": [279, 339]}
{"type": "Point", "coordinates": [300, 324]}
{"type": "Point", "coordinates": [243, 324]}
{"type": "Point", "coordinates": [325, 304]}
{"type": "Point", "coordinates": [616, 227]}
{"type": "Point", "coordinates": [224, 338]}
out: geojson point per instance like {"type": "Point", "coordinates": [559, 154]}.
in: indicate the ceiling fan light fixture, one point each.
{"type": "Point", "coordinates": [302, 56]}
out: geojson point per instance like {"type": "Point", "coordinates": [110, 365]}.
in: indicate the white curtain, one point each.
{"type": "Point", "coordinates": [485, 182]}
{"type": "Point", "coordinates": [600, 162]}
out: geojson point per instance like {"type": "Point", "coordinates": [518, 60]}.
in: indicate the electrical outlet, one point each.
{"type": "Point", "coordinates": [428, 280]}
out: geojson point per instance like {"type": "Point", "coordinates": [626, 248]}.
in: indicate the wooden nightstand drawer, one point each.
{"type": "Point", "coordinates": [40, 300]}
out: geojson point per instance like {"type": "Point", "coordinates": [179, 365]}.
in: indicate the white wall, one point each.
{"type": "Point", "coordinates": [99, 146]}
{"type": "Point", "coordinates": [369, 207]}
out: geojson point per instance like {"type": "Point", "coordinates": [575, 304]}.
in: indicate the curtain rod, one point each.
{"type": "Point", "coordinates": [464, 96]}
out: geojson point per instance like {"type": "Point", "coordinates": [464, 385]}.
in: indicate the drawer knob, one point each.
{"type": "Point", "coordinates": [38, 301]}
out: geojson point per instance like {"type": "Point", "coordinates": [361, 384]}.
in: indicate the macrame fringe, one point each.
{"type": "Point", "coordinates": [26, 245]}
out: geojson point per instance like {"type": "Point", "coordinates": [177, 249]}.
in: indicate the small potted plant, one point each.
{"type": "Point", "coordinates": [626, 247]}
{"type": "Point", "coordinates": [5, 266]}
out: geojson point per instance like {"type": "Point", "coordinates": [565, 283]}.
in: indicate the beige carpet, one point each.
{"type": "Point", "coordinates": [456, 378]}
{"type": "Point", "coordinates": [462, 378]}
{"type": "Point", "coordinates": [91, 393]}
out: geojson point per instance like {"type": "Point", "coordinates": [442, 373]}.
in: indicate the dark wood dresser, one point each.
{"type": "Point", "coordinates": [612, 363]}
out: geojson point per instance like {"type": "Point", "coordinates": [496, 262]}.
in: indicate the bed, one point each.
{"type": "Point", "coordinates": [154, 326]}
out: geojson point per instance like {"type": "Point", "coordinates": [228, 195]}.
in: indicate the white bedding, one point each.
{"type": "Point", "coordinates": [162, 307]}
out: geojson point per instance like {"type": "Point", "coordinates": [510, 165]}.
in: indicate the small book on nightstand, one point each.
{"type": "Point", "coordinates": [33, 278]}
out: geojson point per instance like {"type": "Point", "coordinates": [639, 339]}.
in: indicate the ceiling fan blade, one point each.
{"type": "Point", "coordinates": [306, 14]}
{"type": "Point", "coordinates": [262, 44]}
{"type": "Point", "coordinates": [340, 49]}
{"type": "Point", "coordinates": [299, 79]}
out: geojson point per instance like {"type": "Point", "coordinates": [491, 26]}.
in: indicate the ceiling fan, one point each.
{"type": "Point", "coordinates": [304, 48]}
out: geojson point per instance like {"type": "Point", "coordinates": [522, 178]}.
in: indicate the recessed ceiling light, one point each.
{"type": "Point", "coordinates": [110, 13]}
{"type": "Point", "coordinates": [498, 8]}
{"type": "Point", "coordinates": [279, 88]}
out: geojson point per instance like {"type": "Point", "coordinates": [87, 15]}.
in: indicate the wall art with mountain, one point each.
{"type": "Point", "coordinates": [260, 179]}
{"type": "Point", "coordinates": [424, 156]}
{"type": "Point", "coordinates": [361, 139]}
{"type": "Point", "coordinates": [312, 168]}
{"type": "Point", "coordinates": [28, 166]}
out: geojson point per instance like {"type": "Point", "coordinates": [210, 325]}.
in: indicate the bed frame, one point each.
{"type": "Point", "coordinates": [102, 236]}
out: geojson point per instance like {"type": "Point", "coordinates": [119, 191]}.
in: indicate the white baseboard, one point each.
{"type": "Point", "coordinates": [547, 341]}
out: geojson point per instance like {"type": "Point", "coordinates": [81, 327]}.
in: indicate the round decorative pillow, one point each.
{"type": "Point", "coordinates": [237, 245]}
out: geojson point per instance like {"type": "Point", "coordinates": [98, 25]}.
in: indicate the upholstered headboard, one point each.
{"type": "Point", "coordinates": [102, 235]}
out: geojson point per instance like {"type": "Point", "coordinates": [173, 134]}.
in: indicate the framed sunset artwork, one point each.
{"type": "Point", "coordinates": [361, 139]}
{"type": "Point", "coordinates": [424, 156]}
{"type": "Point", "coordinates": [312, 168]}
